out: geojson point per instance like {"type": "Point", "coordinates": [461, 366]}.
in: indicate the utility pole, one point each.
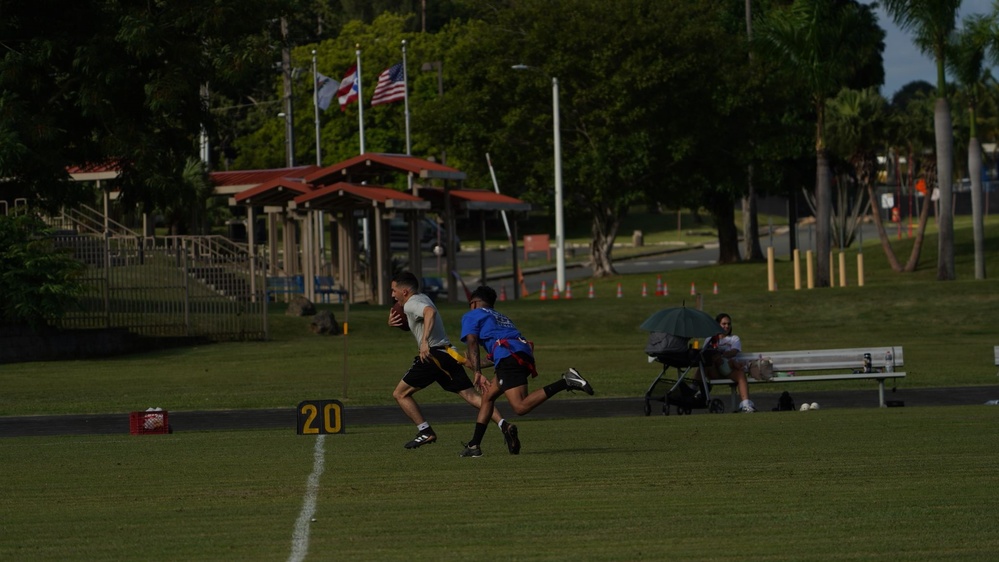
{"type": "Point", "coordinates": [286, 73]}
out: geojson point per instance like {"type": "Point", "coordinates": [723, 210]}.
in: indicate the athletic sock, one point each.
{"type": "Point", "coordinates": [424, 428]}
{"type": "Point", "coordinates": [480, 431]}
{"type": "Point", "coordinates": [500, 424]}
{"type": "Point", "coordinates": [556, 387]}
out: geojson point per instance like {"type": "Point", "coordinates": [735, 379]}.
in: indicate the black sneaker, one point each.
{"type": "Point", "coordinates": [576, 381]}
{"type": "Point", "coordinates": [471, 451]}
{"type": "Point", "coordinates": [512, 441]}
{"type": "Point", "coordinates": [422, 439]}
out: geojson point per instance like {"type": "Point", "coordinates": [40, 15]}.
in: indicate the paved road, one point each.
{"type": "Point", "coordinates": [657, 259]}
{"type": "Point", "coordinates": [568, 407]}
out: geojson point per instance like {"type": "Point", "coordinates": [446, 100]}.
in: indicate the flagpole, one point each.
{"type": "Point", "coordinates": [415, 256]}
{"type": "Point", "coordinates": [405, 98]}
{"type": "Point", "coordinates": [360, 98]}
{"type": "Point", "coordinates": [315, 101]}
{"type": "Point", "coordinates": [320, 218]}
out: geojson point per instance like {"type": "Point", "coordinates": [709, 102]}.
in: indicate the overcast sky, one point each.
{"type": "Point", "coordinates": [903, 61]}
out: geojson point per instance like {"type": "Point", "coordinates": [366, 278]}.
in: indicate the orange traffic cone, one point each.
{"type": "Point", "coordinates": [503, 293]}
{"type": "Point", "coordinates": [591, 294]}
{"type": "Point", "coordinates": [659, 285]}
{"type": "Point", "coordinates": [619, 293]}
{"type": "Point", "coordinates": [645, 292]}
{"type": "Point", "coordinates": [693, 291]}
{"type": "Point", "coordinates": [665, 289]}
{"type": "Point", "coordinates": [544, 291]}
{"type": "Point", "coordinates": [523, 285]}
{"type": "Point", "coordinates": [715, 289]}
{"type": "Point", "coordinates": [568, 290]}
{"type": "Point", "coordinates": [554, 291]}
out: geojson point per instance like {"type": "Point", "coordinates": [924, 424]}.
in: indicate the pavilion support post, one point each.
{"type": "Point", "coordinates": [272, 242]}
{"type": "Point", "coordinates": [308, 263]}
{"type": "Point", "coordinates": [382, 259]}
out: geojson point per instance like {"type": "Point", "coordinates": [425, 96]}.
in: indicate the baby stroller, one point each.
{"type": "Point", "coordinates": [687, 395]}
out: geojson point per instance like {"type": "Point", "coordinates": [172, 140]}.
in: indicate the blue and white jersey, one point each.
{"type": "Point", "coordinates": [490, 326]}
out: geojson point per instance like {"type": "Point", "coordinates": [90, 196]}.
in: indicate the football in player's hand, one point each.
{"type": "Point", "coordinates": [398, 312]}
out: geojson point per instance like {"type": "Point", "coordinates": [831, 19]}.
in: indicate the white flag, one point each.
{"type": "Point", "coordinates": [327, 89]}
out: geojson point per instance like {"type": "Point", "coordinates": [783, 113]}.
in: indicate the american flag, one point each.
{"type": "Point", "coordinates": [391, 86]}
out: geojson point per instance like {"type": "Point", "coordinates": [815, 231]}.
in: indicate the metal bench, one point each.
{"type": "Point", "coordinates": [293, 285]}
{"type": "Point", "coordinates": [846, 364]}
{"type": "Point", "coordinates": [326, 286]}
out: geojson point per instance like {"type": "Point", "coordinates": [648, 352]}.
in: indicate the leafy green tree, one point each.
{"type": "Point", "coordinates": [638, 103]}
{"type": "Point", "coordinates": [825, 45]}
{"type": "Point", "coordinates": [99, 82]}
{"type": "Point", "coordinates": [37, 279]}
{"type": "Point", "coordinates": [932, 22]}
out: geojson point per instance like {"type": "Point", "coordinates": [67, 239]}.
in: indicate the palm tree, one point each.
{"type": "Point", "coordinates": [855, 129]}
{"type": "Point", "coordinates": [966, 57]}
{"type": "Point", "coordinates": [825, 45]}
{"type": "Point", "coordinates": [932, 22]}
{"type": "Point", "coordinates": [910, 134]}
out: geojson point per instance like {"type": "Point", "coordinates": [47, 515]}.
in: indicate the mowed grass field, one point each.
{"type": "Point", "coordinates": [857, 484]}
{"type": "Point", "coordinates": [947, 330]}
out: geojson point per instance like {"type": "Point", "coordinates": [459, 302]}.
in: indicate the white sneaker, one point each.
{"type": "Point", "coordinates": [747, 407]}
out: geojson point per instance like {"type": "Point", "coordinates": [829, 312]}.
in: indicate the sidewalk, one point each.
{"type": "Point", "coordinates": [568, 407]}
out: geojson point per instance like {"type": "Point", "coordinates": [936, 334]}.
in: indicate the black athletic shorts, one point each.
{"type": "Point", "coordinates": [510, 373]}
{"type": "Point", "coordinates": [441, 368]}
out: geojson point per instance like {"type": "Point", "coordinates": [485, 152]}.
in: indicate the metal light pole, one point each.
{"type": "Point", "coordinates": [559, 220]}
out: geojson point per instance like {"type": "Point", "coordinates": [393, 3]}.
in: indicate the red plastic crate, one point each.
{"type": "Point", "coordinates": [149, 423]}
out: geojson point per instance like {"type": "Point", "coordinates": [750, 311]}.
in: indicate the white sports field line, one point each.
{"type": "Point", "coordinates": [300, 537]}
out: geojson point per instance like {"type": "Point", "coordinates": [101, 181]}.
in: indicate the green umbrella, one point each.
{"type": "Point", "coordinates": [682, 321]}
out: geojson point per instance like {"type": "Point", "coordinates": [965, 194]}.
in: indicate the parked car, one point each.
{"type": "Point", "coordinates": [433, 287]}
{"type": "Point", "coordinates": [431, 234]}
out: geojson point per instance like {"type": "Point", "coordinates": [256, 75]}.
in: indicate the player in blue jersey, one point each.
{"type": "Point", "coordinates": [513, 356]}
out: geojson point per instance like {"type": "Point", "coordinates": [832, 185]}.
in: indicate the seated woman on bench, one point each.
{"type": "Point", "coordinates": [720, 363]}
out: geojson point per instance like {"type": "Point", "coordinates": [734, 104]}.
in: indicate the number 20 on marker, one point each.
{"type": "Point", "coordinates": [316, 417]}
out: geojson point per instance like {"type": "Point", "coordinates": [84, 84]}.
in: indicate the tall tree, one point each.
{"type": "Point", "coordinates": [634, 109]}
{"type": "Point", "coordinates": [104, 82]}
{"type": "Point", "coordinates": [750, 217]}
{"type": "Point", "coordinates": [825, 45]}
{"type": "Point", "coordinates": [932, 22]}
{"type": "Point", "coordinates": [966, 61]}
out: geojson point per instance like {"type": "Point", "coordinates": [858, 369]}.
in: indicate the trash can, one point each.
{"type": "Point", "coordinates": [637, 239]}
